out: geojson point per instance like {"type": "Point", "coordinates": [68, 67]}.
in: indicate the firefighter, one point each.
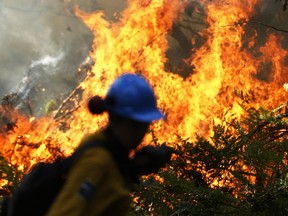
{"type": "Point", "coordinates": [98, 182]}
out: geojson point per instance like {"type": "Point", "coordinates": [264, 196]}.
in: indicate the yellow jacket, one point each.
{"type": "Point", "coordinates": [95, 185]}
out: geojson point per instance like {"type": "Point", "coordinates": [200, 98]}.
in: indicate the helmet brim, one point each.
{"type": "Point", "coordinates": [148, 117]}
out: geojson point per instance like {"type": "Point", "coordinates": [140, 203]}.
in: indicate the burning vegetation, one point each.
{"type": "Point", "coordinates": [201, 59]}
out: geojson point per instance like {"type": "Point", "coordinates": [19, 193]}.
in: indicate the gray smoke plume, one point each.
{"type": "Point", "coordinates": [33, 30]}
{"type": "Point", "coordinates": [42, 45]}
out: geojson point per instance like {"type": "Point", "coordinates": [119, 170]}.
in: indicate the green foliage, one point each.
{"type": "Point", "coordinates": [50, 106]}
{"type": "Point", "coordinates": [9, 174]}
{"type": "Point", "coordinates": [241, 170]}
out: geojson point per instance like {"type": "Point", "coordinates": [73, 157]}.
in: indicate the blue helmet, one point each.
{"type": "Point", "coordinates": [132, 97]}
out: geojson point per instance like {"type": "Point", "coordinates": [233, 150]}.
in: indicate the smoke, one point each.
{"type": "Point", "coordinates": [37, 30]}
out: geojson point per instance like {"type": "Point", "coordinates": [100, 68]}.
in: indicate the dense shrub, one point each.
{"type": "Point", "coordinates": [241, 170]}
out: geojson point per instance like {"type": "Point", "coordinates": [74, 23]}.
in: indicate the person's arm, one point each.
{"type": "Point", "coordinates": [81, 183]}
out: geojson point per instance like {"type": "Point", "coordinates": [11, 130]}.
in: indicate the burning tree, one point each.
{"type": "Point", "coordinates": [241, 170]}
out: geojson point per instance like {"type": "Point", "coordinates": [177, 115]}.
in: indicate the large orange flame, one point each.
{"type": "Point", "coordinates": [137, 43]}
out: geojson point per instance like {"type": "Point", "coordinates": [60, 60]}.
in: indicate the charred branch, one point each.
{"type": "Point", "coordinates": [256, 22]}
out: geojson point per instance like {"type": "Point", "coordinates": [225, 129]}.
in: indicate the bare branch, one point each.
{"type": "Point", "coordinates": [256, 22]}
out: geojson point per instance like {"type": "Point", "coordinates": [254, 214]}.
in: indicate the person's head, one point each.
{"type": "Point", "coordinates": [132, 107]}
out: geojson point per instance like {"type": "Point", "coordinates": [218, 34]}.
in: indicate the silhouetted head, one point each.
{"type": "Point", "coordinates": [132, 107]}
